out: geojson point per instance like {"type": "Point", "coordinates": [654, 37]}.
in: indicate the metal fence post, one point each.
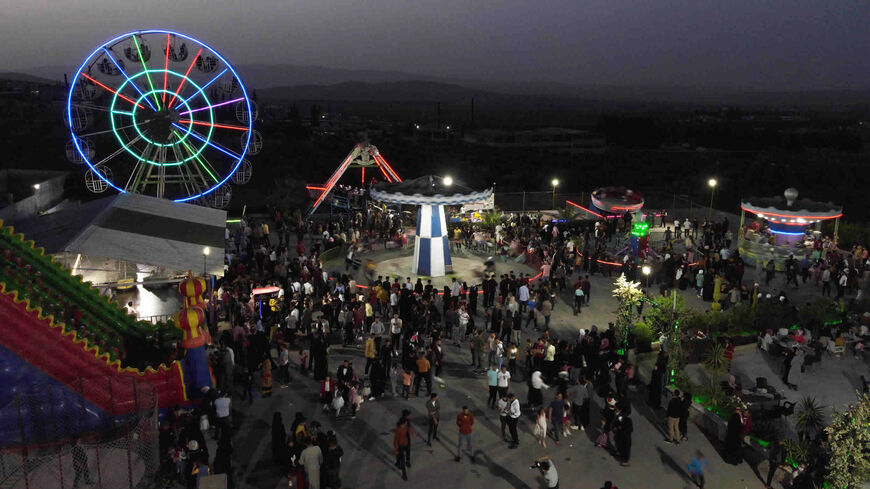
{"type": "Point", "coordinates": [524, 201]}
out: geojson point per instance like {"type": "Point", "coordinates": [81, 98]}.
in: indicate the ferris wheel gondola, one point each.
{"type": "Point", "coordinates": [145, 121]}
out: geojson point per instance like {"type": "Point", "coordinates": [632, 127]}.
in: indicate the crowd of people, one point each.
{"type": "Point", "coordinates": [407, 330]}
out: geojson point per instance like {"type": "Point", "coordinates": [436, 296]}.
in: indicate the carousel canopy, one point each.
{"type": "Point", "coordinates": [789, 209]}
{"type": "Point", "coordinates": [427, 190]}
{"type": "Point", "coordinates": [134, 228]}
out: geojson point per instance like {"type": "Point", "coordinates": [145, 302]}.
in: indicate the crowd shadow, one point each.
{"type": "Point", "coordinates": [500, 471]}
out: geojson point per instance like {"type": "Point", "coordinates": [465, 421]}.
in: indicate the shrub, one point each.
{"type": "Point", "coordinates": [643, 333]}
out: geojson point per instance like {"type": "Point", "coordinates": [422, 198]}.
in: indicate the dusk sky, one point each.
{"type": "Point", "coordinates": [751, 44]}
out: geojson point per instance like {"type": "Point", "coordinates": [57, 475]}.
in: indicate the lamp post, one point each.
{"type": "Point", "coordinates": [712, 184]}
{"type": "Point", "coordinates": [555, 183]}
{"type": "Point", "coordinates": [205, 252]}
{"type": "Point", "coordinates": [646, 271]}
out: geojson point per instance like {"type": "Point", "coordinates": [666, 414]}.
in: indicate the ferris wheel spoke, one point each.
{"type": "Point", "coordinates": [145, 69]}
{"type": "Point", "coordinates": [202, 88]}
{"type": "Point", "coordinates": [209, 106]}
{"type": "Point", "coordinates": [136, 174]}
{"type": "Point", "coordinates": [129, 80]}
{"type": "Point", "coordinates": [121, 128]}
{"type": "Point", "coordinates": [166, 69]}
{"type": "Point", "coordinates": [198, 157]}
{"type": "Point", "coordinates": [210, 143]}
{"type": "Point", "coordinates": [178, 90]}
{"type": "Point", "coordinates": [112, 91]}
{"type": "Point", "coordinates": [219, 126]}
{"type": "Point", "coordinates": [119, 151]}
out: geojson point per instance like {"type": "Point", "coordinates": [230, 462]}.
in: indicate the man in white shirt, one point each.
{"type": "Point", "coordinates": [523, 297]}
{"type": "Point", "coordinates": [396, 331]}
{"type": "Point", "coordinates": [514, 413]}
{"type": "Point", "coordinates": [504, 381]}
{"type": "Point", "coordinates": [222, 412]}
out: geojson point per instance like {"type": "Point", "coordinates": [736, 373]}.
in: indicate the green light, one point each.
{"type": "Point", "coordinates": [640, 229]}
{"type": "Point", "coordinates": [233, 221]}
{"type": "Point", "coordinates": [139, 50]}
{"type": "Point", "coordinates": [204, 167]}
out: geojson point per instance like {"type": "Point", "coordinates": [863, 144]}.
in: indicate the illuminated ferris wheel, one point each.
{"type": "Point", "coordinates": [163, 114]}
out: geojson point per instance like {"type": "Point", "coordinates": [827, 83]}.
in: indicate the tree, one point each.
{"type": "Point", "coordinates": [849, 438]}
{"type": "Point", "coordinates": [629, 295]}
{"type": "Point", "coordinates": [490, 219]}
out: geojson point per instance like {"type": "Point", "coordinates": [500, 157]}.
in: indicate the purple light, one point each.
{"type": "Point", "coordinates": [212, 106]}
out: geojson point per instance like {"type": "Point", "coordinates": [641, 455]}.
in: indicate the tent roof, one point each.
{"type": "Point", "coordinates": [135, 228]}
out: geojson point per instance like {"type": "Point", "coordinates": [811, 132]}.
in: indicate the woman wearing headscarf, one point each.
{"type": "Point", "coordinates": [279, 439]}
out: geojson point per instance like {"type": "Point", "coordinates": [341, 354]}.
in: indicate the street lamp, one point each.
{"type": "Point", "coordinates": [712, 184]}
{"type": "Point", "coordinates": [35, 186]}
{"type": "Point", "coordinates": [205, 252]}
{"type": "Point", "coordinates": [646, 271]}
{"type": "Point", "coordinates": [448, 180]}
{"type": "Point", "coordinates": [555, 183]}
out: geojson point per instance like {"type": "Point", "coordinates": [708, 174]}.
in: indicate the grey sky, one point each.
{"type": "Point", "coordinates": [774, 44]}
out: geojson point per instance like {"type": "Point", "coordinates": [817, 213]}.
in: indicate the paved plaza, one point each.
{"type": "Point", "coordinates": [367, 439]}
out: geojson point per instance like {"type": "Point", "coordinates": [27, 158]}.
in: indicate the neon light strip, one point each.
{"type": "Point", "coordinates": [145, 68]}
{"type": "Point", "coordinates": [332, 180]}
{"type": "Point", "coordinates": [213, 145]}
{"type": "Point", "coordinates": [787, 233]}
{"type": "Point", "coordinates": [233, 221]}
{"type": "Point", "coordinates": [122, 112]}
{"type": "Point", "coordinates": [222, 126]}
{"type": "Point", "coordinates": [786, 216]}
{"type": "Point", "coordinates": [627, 207]}
{"type": "Point", "coordinates": [202, 89]}
{"type": "Point", "coordinates": [381, 167]}
{"type": "Point", "coordinates": [210, 106]}
{"type": "Point", "coordinates": [178, 90]}
{"type": "Point", "coordinates": [585, 209]}
{"type": "Point", "coordinates": [196, 157]}
{"type": "Point", "coordinates": [109, 55]}
{"type": "Point", "coordinates": [313, 187]}
{"type": "Point", "coordinates": [389, 168]}
{"type": "Point", "coordinates": [363, 175]}
{"type": "Point", "coordinates": [166, 69]}
{"type": "Point", "coordinates": [112, 91]}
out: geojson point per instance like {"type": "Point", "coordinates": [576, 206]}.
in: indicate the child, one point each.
{"type": "Point", "coordinates": [540, 429]}
{"type": "Point", "coordinates": [566, 420]}
{"type": "Point", "coordinates": [406, 383]}
{"type": "Point", "coordinates": [303, 362]}
{"type": "Point", "coordinates": [353, 398]}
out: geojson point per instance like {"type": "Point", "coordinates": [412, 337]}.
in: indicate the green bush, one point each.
{"type": "Point", "coordinates": [643, 333]}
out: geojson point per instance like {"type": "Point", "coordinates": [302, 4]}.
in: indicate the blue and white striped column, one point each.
{"type": "Point", "coordinates": [432, 246]}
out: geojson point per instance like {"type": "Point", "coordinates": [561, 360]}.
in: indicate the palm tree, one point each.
{"type": "Point", "coordinates": [810, 418]}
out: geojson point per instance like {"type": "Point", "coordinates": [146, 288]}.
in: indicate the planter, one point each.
{"type": "Point", "coordinates": [708, 421]}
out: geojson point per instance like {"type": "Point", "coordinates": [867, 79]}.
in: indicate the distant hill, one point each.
{"type": "Point", "coordinates": [305, 82]}
{"type": "Point", "coordinates": [24, 77]}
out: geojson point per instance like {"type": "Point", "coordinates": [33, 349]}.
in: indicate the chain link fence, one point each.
{"type": "Point", "coordinates": [55, 437]}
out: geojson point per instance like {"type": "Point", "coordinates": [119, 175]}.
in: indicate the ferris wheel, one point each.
{"type": "Point", "coordinates": [160, 113]}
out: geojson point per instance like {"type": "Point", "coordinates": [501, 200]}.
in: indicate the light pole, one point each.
{"type": "Point", "coordinates": [205, 252]}
{"type": "Point", "coordinates": [555, 183]}
{"type": "Point", "coordinates": [646, 271]}
{"type": "Point", "coordinates": [712, 184]}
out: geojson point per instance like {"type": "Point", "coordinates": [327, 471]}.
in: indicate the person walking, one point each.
{"type": "Point", "coordinates": [80, 464]}
{"type": "Point", "coordinates": [673, 414]}
{"type": "Point", "coordinates": [465, 421]}
{"type": "Point", "coordinates": [401, 445]}
{"type": "Point", "coordinates": [433, 410]}
{"type": "Point", "coordinates": [685, 405]}
{"type": "Point", "coordinates": [312, 458]}
{"type": "Point", "coordinates": [504, 381]}
{"type": "Point", "coordinates": [622, 429]}
{"type": "Point", "coordinates": [332, 460]}
{"type": "Point", "coordinates": [555, 416]}
{"type": "Point", "coordinates": [492, 383]}
{"type": "Point", "coordinates": [775, 460]}
{"type": "Point", "coordinates": [696, 469]}
{"type": "Point", "coordinates": [514, 413]}
{"type": "Point", "coordinates": [502, 407]}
